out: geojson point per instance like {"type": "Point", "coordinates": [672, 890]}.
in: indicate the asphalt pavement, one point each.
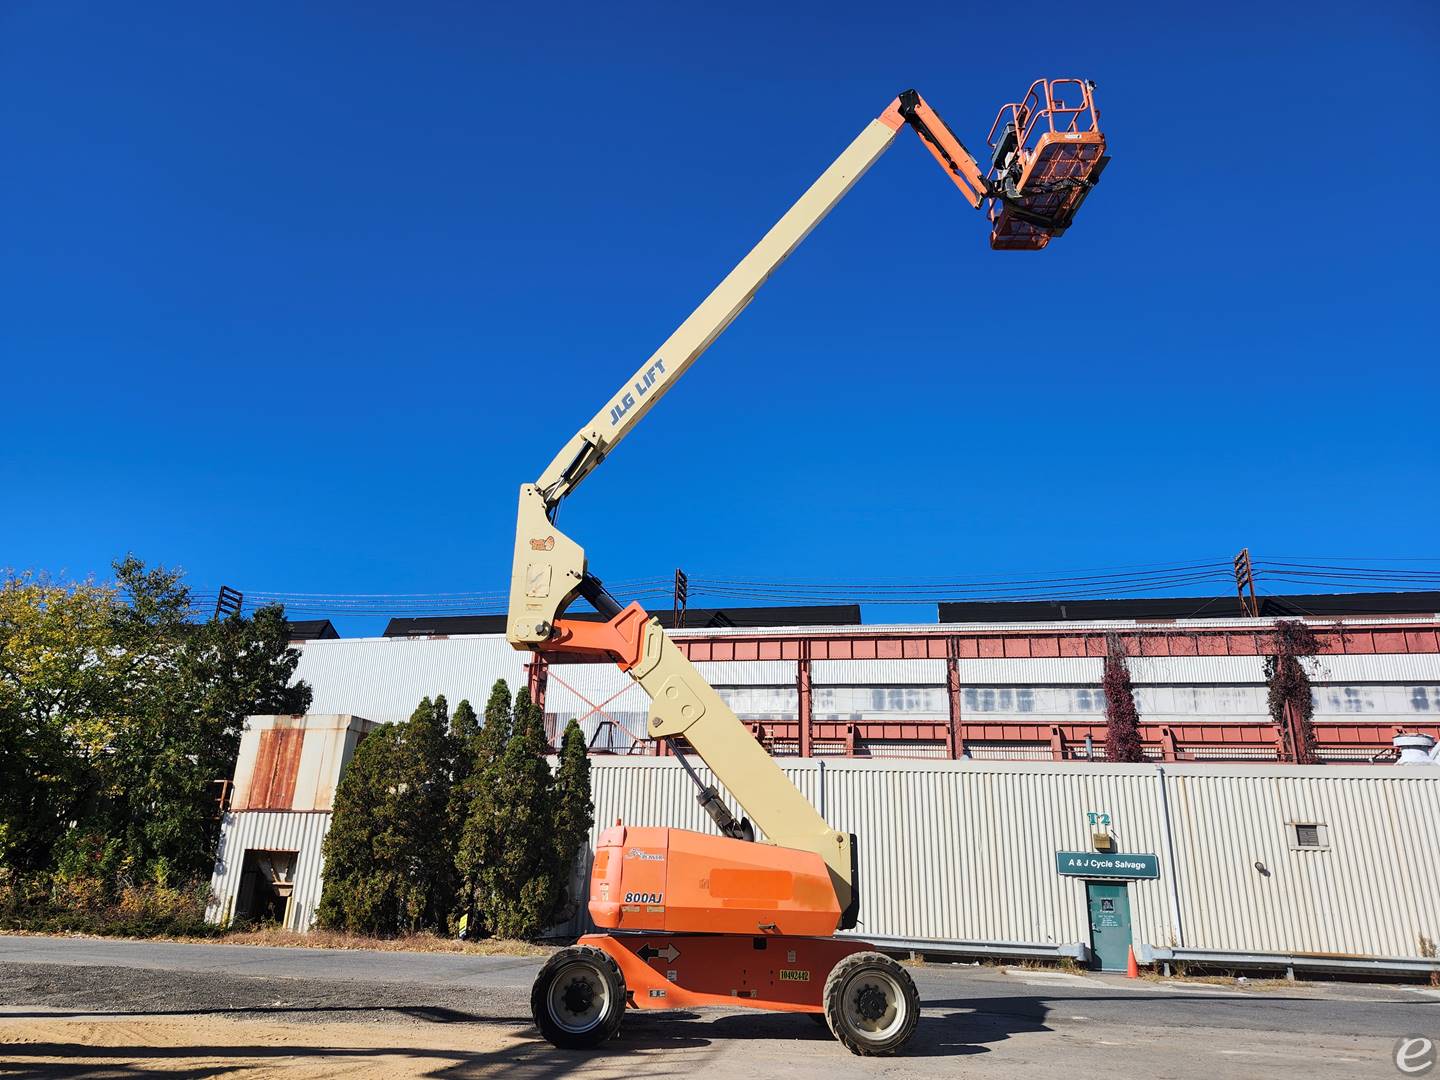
{"type": "Point", "coordinates": [989, 1021]}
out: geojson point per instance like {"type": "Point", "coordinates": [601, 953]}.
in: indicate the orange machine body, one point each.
{"type": "Point", "coordinates": [684, 971]}
{"type": "Point", "coordinates": [678, 881]}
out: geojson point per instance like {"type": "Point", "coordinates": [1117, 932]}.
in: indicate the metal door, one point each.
{"type": "Point", "coordinates": [1109, 923]}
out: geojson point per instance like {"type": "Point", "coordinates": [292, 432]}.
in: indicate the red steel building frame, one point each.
{"type": "Point", "coordinates": [1357, 741]}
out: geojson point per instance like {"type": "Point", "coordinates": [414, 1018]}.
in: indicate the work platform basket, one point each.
{"type": "Point", "coordinates": [1047, 152]}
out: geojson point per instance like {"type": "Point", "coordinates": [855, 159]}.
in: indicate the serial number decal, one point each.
{"type": "Point", "coordinates": [794, 975]}
{"type": "Point", "coordinates": [644, 897]}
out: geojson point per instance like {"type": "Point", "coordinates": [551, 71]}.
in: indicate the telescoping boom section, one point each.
{"type": "Point", "coordinates": [801, 885]}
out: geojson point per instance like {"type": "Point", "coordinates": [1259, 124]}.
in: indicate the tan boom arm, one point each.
{"type": "Point", "coordinates": [550, 570]}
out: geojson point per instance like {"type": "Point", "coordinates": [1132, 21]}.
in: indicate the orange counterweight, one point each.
{"type": "Point", "coordinates": [687, 882]}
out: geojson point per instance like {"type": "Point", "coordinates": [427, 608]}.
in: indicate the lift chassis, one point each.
{"type": "Point", "coordinates": [695, 919]}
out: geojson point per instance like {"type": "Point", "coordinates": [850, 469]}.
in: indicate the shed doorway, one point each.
{"type": "Point", "coordinates": [267, 882]}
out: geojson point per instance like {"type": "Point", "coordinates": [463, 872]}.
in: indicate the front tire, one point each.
{"type": "Point", "coordinates": [578, 998]}
{"type": "Point", "coordinates": [871, 1004]}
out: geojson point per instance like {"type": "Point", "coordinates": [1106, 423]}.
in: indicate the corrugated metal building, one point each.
{"type": "Point", "coordinates": [983, 691]}
{"type": "Point", "coordinates": [269, 863]}
{"type": "Point", "coordinates": [965, 852]}
{"type": "Point", "coordinates": [1273, 860]}
{"type": "Point", "coordinates": [960, 755]}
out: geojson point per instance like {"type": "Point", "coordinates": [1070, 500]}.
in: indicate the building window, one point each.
{"type": "Point", "coordinates": [1308, 835]}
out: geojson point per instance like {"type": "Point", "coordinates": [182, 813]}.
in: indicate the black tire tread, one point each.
{"type": "Point", "coordinates": [540, 990]}
{"type": "Point", "coordinates": [834, 1007]}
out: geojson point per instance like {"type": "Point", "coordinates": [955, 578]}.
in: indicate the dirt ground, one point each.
{"type": "Point", "coordinates": [194, 1046]}
{"type": "Point", "coordinates": [64, 1048]}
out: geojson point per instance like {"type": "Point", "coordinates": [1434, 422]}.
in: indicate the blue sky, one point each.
{"type": "Point", "coordinates": [295, 296]}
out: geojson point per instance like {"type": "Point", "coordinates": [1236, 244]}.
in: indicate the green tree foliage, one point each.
{"type": "Point", "coordinates": [499, 725]}
{"type": "Point", "coordinates": [195, 686]}
{"type": "Point", "coordinates": [58, 674]}
{"type": "Point", "coordinates": [389, 855]}
{"type": "Point", "coordinates": [464, 725]}
{"type": "Point", "coordinates": [466, 820]}
{"type": "Point", "coordinates": [519, 880]}
{"type": "Point", "coordinates": [1291, 701]}
{"type": "Point", "coordinates": [574, 813]}
{"type": "Point", "coordinates": [118, 710]}
{"type": "Point", "coordinates": [477, 813]}
{"type": "Point", "coordinates": [365, 888]}
{"type": "Point", "coordinates": [464, 734]}
{"type": "Point", "coordinates": [1122, 719]}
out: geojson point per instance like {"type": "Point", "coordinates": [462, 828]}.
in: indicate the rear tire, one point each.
{"type": "Point", "coordinates": [578, 998]}
{"type": "Point", "coordinates": [871, 1004]}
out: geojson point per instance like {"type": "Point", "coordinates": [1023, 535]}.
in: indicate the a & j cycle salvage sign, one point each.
{"type": "Point", "coordinates": [1093, 864]}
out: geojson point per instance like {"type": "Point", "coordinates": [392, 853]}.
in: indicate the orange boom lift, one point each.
{"type": "Point", "coordinates": [693, 919]}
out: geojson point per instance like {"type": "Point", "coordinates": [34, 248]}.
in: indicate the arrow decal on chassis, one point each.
{"type": "Point", "coordinates": [649, 952]}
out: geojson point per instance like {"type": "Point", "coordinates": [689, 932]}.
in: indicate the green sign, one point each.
{"type": "Point", "coordinates": [1097, 864]}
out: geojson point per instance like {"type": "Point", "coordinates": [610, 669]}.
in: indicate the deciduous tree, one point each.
{"type": "Point", "coordinates": [58, 673]}
{"type": "Point", "coordinates": [178, 717]}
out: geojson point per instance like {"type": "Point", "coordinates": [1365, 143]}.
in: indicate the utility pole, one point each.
{"type": "Point", "coordinates": [682, 594]}
{"type": "Point", "coordinates": [229, 602]}
{"type": "Point", "coordinates": [1245, 578]}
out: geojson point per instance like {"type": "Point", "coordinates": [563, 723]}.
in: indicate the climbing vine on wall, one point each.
{"type": "Point", "coordinates": [1122, 719]}
{"type": "Point", "coordinates": [1292, 706]}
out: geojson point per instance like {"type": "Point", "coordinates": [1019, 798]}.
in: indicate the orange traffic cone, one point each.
{"type": "Point", "coordinates": [1132, 969]}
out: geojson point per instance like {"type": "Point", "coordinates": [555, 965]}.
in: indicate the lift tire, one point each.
{"type": "Point", "coordinates": [871, 1004]}
{"type": "Point", "coordinates": [578, 998]}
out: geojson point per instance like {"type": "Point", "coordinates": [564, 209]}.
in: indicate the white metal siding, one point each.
{"type": "Point", "coordinates": [1348, 668]}
{"type": "Point", "coordinates": [270, 830]}
{"type": "Point", "coordinates": [1376, 667]}
{"type": "Point", "coordinates": [1373, 891]}
{"type": "Point", "coordinates": [749, 672]}
{"type": "Point", "coordinates": [965, 851]}
{"type": "Point", "coordinates": [1037, 671]}
{"type": "Point", "coordinates": [383, 679]}
{"type": "Point", "coordinates": [1189, 670]}
{"type": "Point", "coordinates": [878, 672]}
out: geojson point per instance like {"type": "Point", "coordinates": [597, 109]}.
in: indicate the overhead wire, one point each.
{"type": "Point", "coordinates": [1135, 579]}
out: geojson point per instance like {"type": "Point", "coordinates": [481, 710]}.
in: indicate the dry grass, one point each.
{"type": "Point", "coordinates": [429, 943]}
{"type": "Point", "coordinates": [1065, 964]}
{"type": "Point", "coordinates": [329, 939]}
{"type": "Point", "coordinates": [1259, 985]}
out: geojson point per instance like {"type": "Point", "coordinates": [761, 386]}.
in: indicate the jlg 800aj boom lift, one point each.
{"type": "Point", "coordinates": [695, 919]}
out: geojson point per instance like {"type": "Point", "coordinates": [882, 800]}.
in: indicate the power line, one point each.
{"type": "Point", "coordinates": [1134, 579]}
